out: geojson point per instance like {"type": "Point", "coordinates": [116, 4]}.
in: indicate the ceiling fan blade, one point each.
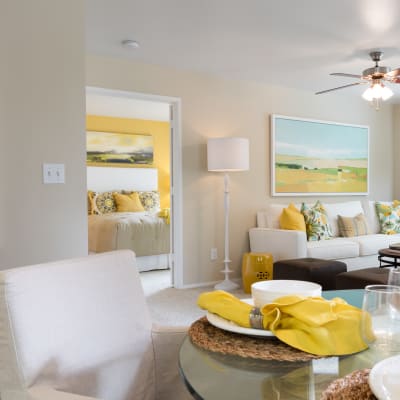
{"type": "Point", "coordinates": [394, 72]}
{"type": "Point", "coordinates": [393, 76]}
{"type": "Point", "coordinates": [347, 75]}
{"type": "Point", "coordinates": [340, 87]}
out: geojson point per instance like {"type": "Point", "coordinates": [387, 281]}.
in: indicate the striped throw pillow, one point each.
{"type": "Point", "coordinates": [353, 226]}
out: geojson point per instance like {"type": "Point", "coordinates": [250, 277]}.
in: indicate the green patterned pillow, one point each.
{"type": "Point", "coordinates": [105, 203]}
{"type": "Point", "coordinates": [317, 226]}
{"type": "Point", "coordinates": [389, 217]}
{"type": "Point", "coordinates": [150, 200]}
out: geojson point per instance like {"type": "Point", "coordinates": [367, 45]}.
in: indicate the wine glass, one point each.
{"type": "Point", "coordinates": [380, 320]}
{"type": "Point", "coordinates": [394, 277]}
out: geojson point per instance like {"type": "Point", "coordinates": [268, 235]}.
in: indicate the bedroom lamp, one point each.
{"type": "Point", "coordinates": [227, 154]}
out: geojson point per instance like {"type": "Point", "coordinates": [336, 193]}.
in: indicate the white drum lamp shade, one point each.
{"type": "Point", "coordinates": [228, 154]}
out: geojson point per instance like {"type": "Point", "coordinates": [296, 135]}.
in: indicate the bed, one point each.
{"type": "Point", "coordinates": [146, 232]}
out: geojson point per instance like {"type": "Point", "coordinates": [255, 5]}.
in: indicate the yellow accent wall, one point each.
{"type": "Point", "coordinates": [161, 134]}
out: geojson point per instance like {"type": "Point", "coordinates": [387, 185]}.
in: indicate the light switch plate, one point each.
{"type": "Point", "coordinates": [53, 173]}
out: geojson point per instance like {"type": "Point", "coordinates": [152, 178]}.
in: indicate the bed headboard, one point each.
{"type": "Point", "coordinates": [103, 179]}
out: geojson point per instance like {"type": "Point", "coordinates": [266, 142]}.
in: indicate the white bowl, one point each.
{"type": "Point", "coordinates": [265, 292]}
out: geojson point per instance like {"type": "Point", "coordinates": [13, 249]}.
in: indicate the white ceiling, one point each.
{"type": "Point", "coordinates": [294, 43]}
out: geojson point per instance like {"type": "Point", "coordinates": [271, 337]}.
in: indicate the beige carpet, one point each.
{"type": "Point", "coordinates": [170, 306]}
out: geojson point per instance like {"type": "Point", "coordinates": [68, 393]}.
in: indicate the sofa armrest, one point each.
{"type": "Point", "coordinates": [281, 243]}
{"type": "Point", "coordinates": [41, 392]}
{"type": "Point", "coordinates": [166, 343]}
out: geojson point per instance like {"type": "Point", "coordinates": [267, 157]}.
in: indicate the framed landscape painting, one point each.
{"type": "Point", "coordinates": [119, 149]}
{"type": "Point", "coordinates": [311, 157]}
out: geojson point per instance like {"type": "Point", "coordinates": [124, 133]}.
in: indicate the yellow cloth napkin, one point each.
{"type": "Point", "coordinates": [312, 324]}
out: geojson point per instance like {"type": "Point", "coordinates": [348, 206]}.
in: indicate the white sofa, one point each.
{"type": "Point", "coordinates": [80, 329]}
{"type": "Point", "coordinates": [357, 252]}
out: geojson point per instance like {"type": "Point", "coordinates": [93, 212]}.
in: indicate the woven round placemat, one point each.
{"type": "Point", "coordinates": [353, 386]}
{"type": "Point", "coordinates": [214, 339]}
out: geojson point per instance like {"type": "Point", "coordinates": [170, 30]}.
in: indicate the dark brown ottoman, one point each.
{"type": "Point", "coordinates": [362, 277]}
{"type": "Point", "coordinates": [310, 269]}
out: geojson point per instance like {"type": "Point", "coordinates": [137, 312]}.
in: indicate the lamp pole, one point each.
{"type": "Point", "coordinates": [226, 284]}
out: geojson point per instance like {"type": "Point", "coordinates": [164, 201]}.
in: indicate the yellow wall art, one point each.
{"type": "Point", "coordinates": [311, 157]}
{"type": "Point", "coordinates": [111, 148]}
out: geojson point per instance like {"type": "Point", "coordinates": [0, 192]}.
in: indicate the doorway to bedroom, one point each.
{"type": "Point", "coordinates": [134, 181]}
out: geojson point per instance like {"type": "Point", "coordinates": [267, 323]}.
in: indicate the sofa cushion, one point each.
{"type": "Point", "coordinates": [335, 248]}
{"type": "Point", "coordinates": [370, 244]}
{"type": "Point", "coordinates": [372, 216]}
{"type": "Point", "coordinates": [292, 219]}
{"type": "Point", "coordinates": [353, 226]}
{"type": "Point", "coordinates": [273, 212]}
{"type": "Point", "coordinates": [345, 209]}
{"type": "Point", "coordinates": [316, 220]}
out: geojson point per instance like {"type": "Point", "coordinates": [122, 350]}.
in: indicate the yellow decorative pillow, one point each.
{"type": "Point", "coordinates": [128, 202]}
{"type": "Point", "coordinates": [92, 206]}
{"type": "Point", "coordinates": [105, 203]}
{"type": "Point", "coordinates": [292, 219]}
{"type": "Point", "coordinates": [353, 226]}
{"type": "Point", "coordinates": [89, 202]}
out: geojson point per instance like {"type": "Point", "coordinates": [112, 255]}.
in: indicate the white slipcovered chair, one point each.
{"type": "Point", "coordinates": [80, 329]}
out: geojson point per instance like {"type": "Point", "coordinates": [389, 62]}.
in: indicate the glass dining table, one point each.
{"type": "Point", "coordinates": [213, 376]}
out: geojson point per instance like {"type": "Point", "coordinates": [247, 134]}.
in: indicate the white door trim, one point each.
{"type": "Point", "coordinates": [176, 173]}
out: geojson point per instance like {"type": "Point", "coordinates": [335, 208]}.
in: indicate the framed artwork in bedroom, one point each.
{"type": "Point", "coordinates": [316, 158]}
{"type": "Point", "coordinates": [115, 149]}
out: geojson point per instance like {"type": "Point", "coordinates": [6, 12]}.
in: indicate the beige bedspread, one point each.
{"type": "Point", "coordinates": [145, 234]}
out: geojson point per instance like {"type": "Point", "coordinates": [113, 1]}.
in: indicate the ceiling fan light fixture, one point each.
{"type": "Point", "coordinates": [387, 93]}
{"type": "Point", "coordinates": [377, 91]}
{"type": "Point", "coordinates": [368, 94]}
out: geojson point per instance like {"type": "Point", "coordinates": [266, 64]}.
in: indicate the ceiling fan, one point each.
{"type": "Point", "coordinates": [375, 76]}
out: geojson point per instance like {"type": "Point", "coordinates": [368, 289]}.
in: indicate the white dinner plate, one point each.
{"type": "Point", "coordinates": [230, 326]}
{"type": "Point", "coordinates": [384, 379]}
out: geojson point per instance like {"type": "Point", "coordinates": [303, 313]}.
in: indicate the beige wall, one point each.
{"type": "Point", "coordinates": [42, 121]}
{"type": "Point", "coordinates": [216, 107]}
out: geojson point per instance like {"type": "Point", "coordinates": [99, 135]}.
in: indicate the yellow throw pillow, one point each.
{"type": "Point", "coordinates": [128, 202]}
{"type": "Point", "coordinates": [353, 226]}
{"type": "Point", "coordinates": [292, 219]}
{"type": "Point", "coordinates": [89, 202]}
{"type": "Point", "coordinates": [92, 206]}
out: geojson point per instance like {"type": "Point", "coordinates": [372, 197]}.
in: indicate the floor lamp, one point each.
{"type": "Point", "coordinates": [228, 154]}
